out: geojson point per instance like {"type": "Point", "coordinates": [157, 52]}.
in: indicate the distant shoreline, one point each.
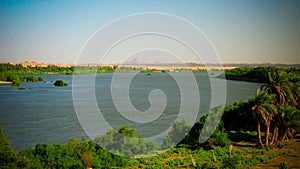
{"type": "Point", "coordinates": [158, 66]}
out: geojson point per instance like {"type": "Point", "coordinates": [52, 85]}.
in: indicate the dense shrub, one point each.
{"type": "Point", "coordinates": [236, 117]}
{"type": "Point", "coordinates": [15, 83]}
{"type": "Point", "coordinates": [40, 79]}
{"type": "Point", "coordinates": [32, 79]}
{"type": "Point", "coordinates": [220, 139]}
{"type": "Point", "coordinates": [125, 142]}
{"type": "Point", "coordinates": [9, 158]}
{"type": "Point", "coordinates": [11, 77]}
{"type": "Point", "coordinates": [178, 132]}
{"type": "Point", "coordinates": [219, 136]}
{"type": "Point", "coordinates": [238, 162]}
{"type": "Point", "coordinates": [60, 83]}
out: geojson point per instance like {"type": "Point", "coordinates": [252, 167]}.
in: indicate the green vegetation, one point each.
{"type": "Point", "coordinates": [260, 74]}
{"type": "Point", "coordinates": [9, 72]}
{"type": "Point", "coordinates": [32, 79]}
{"type": "Point", "coordinates": [275, 106]}
{"type": "Point", "coordinates": [15, 83]}
{"type": "Point", "coordinates": [268, 119]}
{"type": "Point", "coordinates": [9, 158]}
{"type": "Point", "coordinates": [17, 74]}
{"type": "Point", "coordinates": [60, 83]}
{"type": "Point", "coordinates": [283, 165]}
{"type": "Point", "coordinates": [125, 142]}
{"type": "Point", "coordinates": [84, 154]}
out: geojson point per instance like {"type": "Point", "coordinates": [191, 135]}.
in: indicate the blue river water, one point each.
{"type": "Point", "coordinates": [43, 113]}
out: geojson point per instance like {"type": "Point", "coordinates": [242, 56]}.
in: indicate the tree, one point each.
{"type": "Point", "coordinates": [127, 131]}
{"type": "Point", "coordinates": [285, 87]}
{"type": "Point", "coordinates": [124, 141]}
{"type": "Point", "coordinates": [9, 158]}
{"type": "Point", "coordinates": [289, 121]}
{"type": "Point", "coordinates": [178, 132]}
{"type": "Point", "coordinates": [279, 84]}
{"type": "Point", "coordinates": [263, 111]}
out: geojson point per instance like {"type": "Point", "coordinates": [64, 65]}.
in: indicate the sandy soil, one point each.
{"type": "Point", "coordinates": [4, 82]}
{"type": "Point", "coordinates": [290, 154]}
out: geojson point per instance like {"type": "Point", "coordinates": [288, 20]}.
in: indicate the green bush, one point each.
{"type": "Point", "coordinates": [220, 139]}
{"type": "Point", "coordinates": [24, 78]}
{"type": "Point", "coordinates": [263, 152]}
{"type": "Point", "coordinates": [125, 142]}
{"type": "Point", "coordinates": [60, 83]}
{"type": "Point", "coordinates": [178, 132]}
{"type": "Point", "coordinates": [9, 158]}
{"type": "Point", "coordinates": [235, 162]}
{"type": "Point", "coordinates": [15, 83]}
{"type": "Point", "coordinates": [40, 79]}
{"type": "Point", "coordinates": [11, 77]}
{"type": "Point", "coordinates": [30, 79]}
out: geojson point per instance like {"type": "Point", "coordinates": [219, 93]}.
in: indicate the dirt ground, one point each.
{"type": "Point", "coordinates": [290, 154]}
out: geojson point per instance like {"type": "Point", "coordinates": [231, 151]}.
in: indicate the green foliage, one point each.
{"type": "Point", "coordinates": [280, 145]}
{"type": "Point", "coordinates": [257, 74]}
{"type": "Point", "coordinates": [75, 154]}
{"type": "Point", "coordinates": [127, 131]}
{"type": "Point", "coordinates": [32, 79]}
{"type": "Point", "coordinates": [9, 158]}
{"type": "Point", "coordinates": [86, 154]}
{"type": "Point", "coordinates": [220, 139]}
{"type": "Point", "coordinates": [12, 77]}
{"type": "Point", "coordinates": [40, 79]}
{"type": "Point", "coordinates": [276, 105]}
{"type": "Point", "coordinates": [283, 165]}
{"type": "Point", "coordinates": [7, 69]}
{"type": "Point", "coordinates": [60, 83]}
{"type": "Point", "coordinates": [219, 136]}
{"type": "Point", "coordinates": [175, 162]}
{"type": "Point", "coordinates": [178, 132]}
{"type": "Point", "coordinates": [289, 119]}
{"type": "Point", "coordinates": [236, 116]}
{"type": "Point", "coordinates": [125, 142]}
{"type": "Point", "coordinates": [260, 74]}
{"type": "Point", "coordinates": [15, 83]}
{"type": "Point", "coordinates": [236, 162]}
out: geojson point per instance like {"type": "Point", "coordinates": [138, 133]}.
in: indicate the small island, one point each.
{"type": "Point", "coordinates": [60, 83]}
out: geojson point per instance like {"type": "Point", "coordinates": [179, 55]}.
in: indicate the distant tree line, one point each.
{"type": "Point", "coordinates": [260, 74]}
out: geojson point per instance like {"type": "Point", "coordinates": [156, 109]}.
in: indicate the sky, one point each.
{"type": "Point", "coordinates": [241, 31]}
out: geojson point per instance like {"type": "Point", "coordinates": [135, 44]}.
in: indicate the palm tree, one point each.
{"type": "Point", "coordinates": [289, 120]}
{"type": "Point", "coordinates": [287, 92]}
{"type": "Point", "coordinates": [279, 85]}
{"type": "Point", "coordinates": [263, 111]}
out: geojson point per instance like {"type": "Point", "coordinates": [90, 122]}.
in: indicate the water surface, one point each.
{"type": "Point", "coordinates": [43, 113]}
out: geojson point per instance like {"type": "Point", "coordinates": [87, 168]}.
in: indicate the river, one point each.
{"type": "Point", "coordinates": [43, 113]}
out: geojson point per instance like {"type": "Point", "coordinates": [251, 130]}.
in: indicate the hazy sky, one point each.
{"type": "Point", "coordinates": [253, 31]}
